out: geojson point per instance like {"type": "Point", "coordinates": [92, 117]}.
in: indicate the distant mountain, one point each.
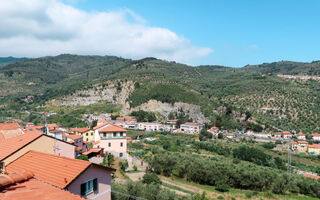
{"type": "Point", "coordinates": [229, 97]}
{"type": "Point", "coordinates": [286, 67]}
{"type": "Point", "coordinates": [8, 60]}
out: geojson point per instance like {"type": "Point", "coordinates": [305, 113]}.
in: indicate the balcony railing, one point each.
{"type": "Point", "coordinates": [109, 137]}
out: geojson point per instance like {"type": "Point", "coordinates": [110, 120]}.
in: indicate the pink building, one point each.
{"type": "Point", "coordinates": [77, 140]}
{"type": "Point", "coordinates": [79, 177]}
{"type": "Point", "coordinates": [112, 139]}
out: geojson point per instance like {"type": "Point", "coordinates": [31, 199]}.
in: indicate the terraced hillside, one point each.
{"type": "Point", "coordinates": [229, 97]}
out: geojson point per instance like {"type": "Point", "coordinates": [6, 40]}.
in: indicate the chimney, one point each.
{"type": "Point", "coordinates": [2, 168]}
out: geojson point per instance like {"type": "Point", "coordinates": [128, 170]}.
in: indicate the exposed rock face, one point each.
{"type": "Point", "coordinates": [111, 92]}
{"type": "Point", "coordinates": [164, 109]}
{"type": "Point", "coordinates": [116, 93]}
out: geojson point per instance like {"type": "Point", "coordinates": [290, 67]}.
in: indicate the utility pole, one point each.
{"type": "Point", "coordinates": [289, 157]}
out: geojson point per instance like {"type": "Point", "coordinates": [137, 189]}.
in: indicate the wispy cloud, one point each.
{"type": "Point", "coordinates": [49, 27]}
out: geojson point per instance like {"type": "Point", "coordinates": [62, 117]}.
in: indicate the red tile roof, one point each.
{"type": "Point", "coordinates": [56, 170]}
{"type": "Point", "coordinates": [316, 146]}
{"type": "Point", "coordinates": [80, 130]}
{"type": "Point", "coordinates": [74, 137]}
{"type": "Point", "coordinates": [300, 134]}
{"type": "Point", "coordinates": [192, 123]}
{"type": "Point", "coordinates": [315, 134]}
{"type": "Point", "coordinates": [91, 151]}
{"type": "Point", "coordinates": [286, 133]}
{"type": "Point", "coordinates": [12, 145]}
{"type": "Point", "coordinates": [302, 142]}
{"type": "Point", "coordinates": [9, 126]}
{"type": "Point", "coordinates": [102, 124]}
{"type": "Point", "coordinates": [52, 126]}
{"type": "Point", "coordinates": [112, 128]}
{"type": "Point", "coordinates": [17, 186]}
{"type": "Point", "coordinates": [311, 176]}
{"type": "Point", "coordinates": [7, 134]}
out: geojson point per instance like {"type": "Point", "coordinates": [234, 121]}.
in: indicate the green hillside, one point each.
{"type": "Point", "coordinates": [230, 97]}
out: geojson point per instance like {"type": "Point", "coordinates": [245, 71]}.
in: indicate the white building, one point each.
{"type": "Point", "coordinates": [191, 128]}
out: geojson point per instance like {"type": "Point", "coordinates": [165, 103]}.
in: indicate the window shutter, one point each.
{"type": "Point", "coordinates": [95, 184]}
{"type": "Point", "coordinates": [83, 189]}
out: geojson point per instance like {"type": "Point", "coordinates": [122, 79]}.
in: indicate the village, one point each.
{"type": "Point", "coordinates": [49, 147]}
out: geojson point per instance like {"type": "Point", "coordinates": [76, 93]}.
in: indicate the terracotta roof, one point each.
{"type": "Point", "coordinates": [7, 134]}
{"type": "Point", "coordinates": [52, 126]}
{"type": "Point", "coordinates": [12, 145]}
{"type": "Point", "coordinates": [315, 134]}
{"type": "Point", "coordinates": [35, 127]}
{"type": "Point", "coordinates": [286, 133]}
{"type": "Point", "coordinates": [18, 186]}
{"type": "Point", "coordinates": [96, 142]}
{"type": "Point", "coordinates": [302, 142]}
{"type": "Point", "coordinates": [9, 126]}
{"type": "Point", "coordinates": [78, 148]}
{"type": "Point", "coordinates": [91, 151]}
{"type": "Point", "coordinates": [56, 170]}
{"type": "Point", "coordinates": [311, 176]}
{"type": "Point", "coordinates": [316, 146]}
{"type": "Point", "coordinates": [80, 130]}
{"type": "Point", "coordinates": [74, 137]}
{"type": "Point", "coordinates": [112, 128]}
{"type": "Point", "coordinates": [102, 124]}
{"type": "Point", "coordinates": [294, 142]}
{"type": "Point", "coordinates": [300, 134]}
{"type": "Point", "coordinates": [192, 123]}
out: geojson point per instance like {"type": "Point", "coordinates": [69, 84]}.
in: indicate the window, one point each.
{"type": "Point", "coordinates": [89, 187]}
{"type": "Point", "coordinates": [87, 134]}
{"type": "Point", "coordinates": [114, 134]}
{"type": "Point", "coordinates": [91, 133]}
{"type": "Point", "coordinates": [87, 139]}
{"type": "Point", "coordinates": [109, 144]}
{"type": "Point", "coordinates": [121, 144]}
{"type": "Point", "coordinates": [121, 134]}
{"type": "Point", "coordinates": [104, 135]}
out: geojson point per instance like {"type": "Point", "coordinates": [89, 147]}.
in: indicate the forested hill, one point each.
{"type": "Point", "coordinates": [7, 60]}
{"type": "Point", "coordinates": [229, 97]}
{"type": "Point", "coordinates": [286, 67]}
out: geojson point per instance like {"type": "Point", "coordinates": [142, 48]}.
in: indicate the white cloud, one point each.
{"type": "Point", "coordinates": [49, 27]}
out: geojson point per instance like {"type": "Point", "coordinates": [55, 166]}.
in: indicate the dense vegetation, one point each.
{"type": "Point", "coordinates": [226, 95]}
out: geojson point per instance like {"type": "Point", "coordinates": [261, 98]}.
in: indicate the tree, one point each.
{"type": "Point", "coordinates": [83, 157]}
{"type": "Point", "coordinates": [150, 177]}
{"type": "Point", "coordinates": [123, 165]}
{"type": "Point", "coordinates": [222, 186]}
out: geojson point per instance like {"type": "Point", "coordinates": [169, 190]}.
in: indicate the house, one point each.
{"type": "Point", "coordinates": [277, 135]}
{"type": "Point", "coordinates": [230, 135]}
{"type": "Point", "coordinates": [191, 127]}
{"type": "Point", "coordinates": [263, 135]}
{"type": "Point", "coordinates": [286, 135]}
{"type": "Point", "coordinates": [149, 126]}
{"type": "Point", "coordinates": [39, 127]}
{"type": "Point", "coordinates": [77, 140]}
{"type": "Point", "coordinates": [126, 122]}
{"type": "Point", "coordinates": [56, 134]}
{"type": "Point", "coordinates": [29, 124]}
{"type": "Point", "coordinates": [214, 130]}
{"type": "Point", "coordinates": [314, 149]}
{"type": "Point", "coordinates": [301, 136]}
{"type": "Point", "coordinates": [315, 136]}
{"type": "Point", "coordinates": [10, 130]}
{"type": "Point", "coordinates": [300, 146]}
{"type": "Point", "coordinates": [17, 186]}
{"type": "Point", "coordinates": [86, 133]}
{"type": "Point", "coordinates": [173, 123]}
{"type": "Point", "coordinates": [13, 148]}
{"type": "Point", "coordinates": [112, 139]}
{"type": "Point", "coordinates": [79, 177]}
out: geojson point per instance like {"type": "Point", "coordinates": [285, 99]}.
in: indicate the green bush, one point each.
{"type": "Point", "coordinates": [149, 178]}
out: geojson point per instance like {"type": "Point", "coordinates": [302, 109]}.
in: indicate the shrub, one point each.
{"type": "Point", "coordinates": [149, 178]}
{"type": "Point", "coordinates": [222, 186]}
{"type": "Point", "coordinates": [83, 157]}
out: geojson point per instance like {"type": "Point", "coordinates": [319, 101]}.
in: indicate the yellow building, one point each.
{"type": "Point", "coordinates": [314, 149]}
{"type": "Point", "coordinates": [87, 133]}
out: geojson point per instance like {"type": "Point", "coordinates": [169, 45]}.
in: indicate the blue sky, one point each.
{"type": "Point", "coordinates": [239, 32]}
{"type": "Point", "coordinates": [222, 32]}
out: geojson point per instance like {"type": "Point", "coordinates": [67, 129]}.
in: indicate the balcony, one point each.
{"type": "Point", "coordinates": [110, 137]}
